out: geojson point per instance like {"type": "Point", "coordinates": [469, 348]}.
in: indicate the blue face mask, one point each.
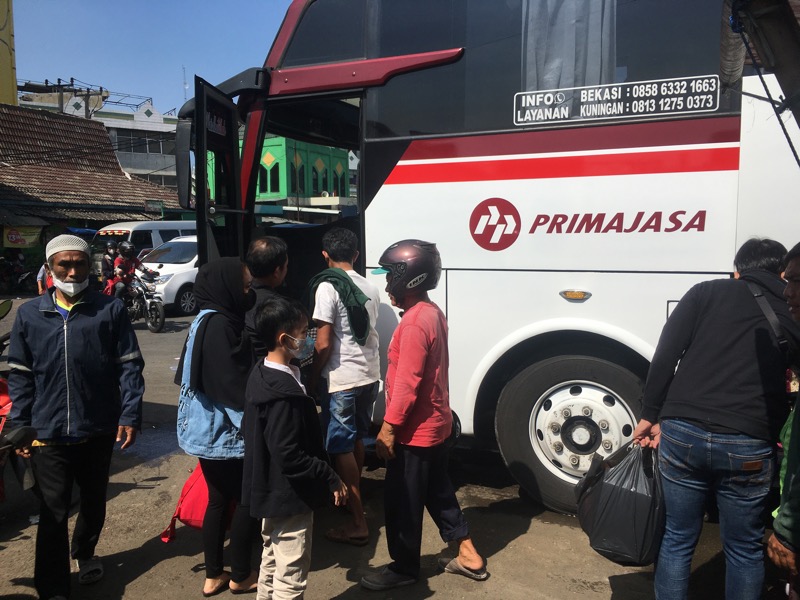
{"type": "Point", "coordinates": [305, 347]}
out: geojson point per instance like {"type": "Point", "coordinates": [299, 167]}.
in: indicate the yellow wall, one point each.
{"type": "Point", "coordinates": [8, 69]}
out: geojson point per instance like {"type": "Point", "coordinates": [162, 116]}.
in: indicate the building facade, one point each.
{"type": "Point", "coordinates": [143, 137]}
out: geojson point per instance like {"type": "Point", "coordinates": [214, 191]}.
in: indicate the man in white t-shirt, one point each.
{"type": "Point", "coordinates": [347, 367]}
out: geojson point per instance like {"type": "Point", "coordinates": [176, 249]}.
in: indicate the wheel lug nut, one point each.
{"type": "Point", "coordinates": [555, 427]}
{"type": "Point", "coordinates": [587, 412]}
{"type": "Point", "coordinates": [603, 424]}
{"type": "Point", "coordinates": [558, 447]}
{"type": "Point", "coordinates": [567, 413]}
{"type": "Point", "coordinates": [574, 460]}
{"type": "Point", "coordinates": [607, 445]}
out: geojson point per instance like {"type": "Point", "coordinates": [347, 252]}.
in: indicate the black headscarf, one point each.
{"type": "Point", "coordinates": [219, 286]}
{"type": "Point", "coordinates": [222, 355]}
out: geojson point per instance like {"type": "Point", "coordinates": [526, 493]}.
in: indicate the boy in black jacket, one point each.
{"type": "Point", "coordinates": [286, 472]}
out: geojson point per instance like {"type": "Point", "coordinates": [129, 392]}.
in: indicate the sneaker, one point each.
{"type": "Point", "coordinates": [386, 579]}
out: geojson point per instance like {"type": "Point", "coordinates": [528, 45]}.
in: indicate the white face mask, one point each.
{"type": "Point", "coordinates": [70, 289]}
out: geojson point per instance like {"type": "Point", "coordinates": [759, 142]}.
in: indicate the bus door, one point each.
{"type": "Point", "coordinates": [273, 180]}
{"type": "Point", "coordinates": [218, 201]}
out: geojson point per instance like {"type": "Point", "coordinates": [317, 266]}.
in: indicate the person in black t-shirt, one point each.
{"type": "Point", "coordinates": [714, 403]}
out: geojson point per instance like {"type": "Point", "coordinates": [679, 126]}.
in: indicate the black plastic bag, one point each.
{"type": "Point", "coordinates": [621, 506]}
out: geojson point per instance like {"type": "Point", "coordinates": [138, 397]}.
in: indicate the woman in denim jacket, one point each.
{"type": "Point", "coordinates": [213, 371]}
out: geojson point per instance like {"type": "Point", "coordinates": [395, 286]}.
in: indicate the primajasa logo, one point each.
{"type": "Point", "coordinates": [495, 224]}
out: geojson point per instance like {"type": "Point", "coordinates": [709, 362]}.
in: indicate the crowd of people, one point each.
{"type": "Point", "coordinates": [256, 367]}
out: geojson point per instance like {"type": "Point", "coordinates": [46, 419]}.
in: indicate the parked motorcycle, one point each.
{"type": "Point", "coordinates": [143, 303]}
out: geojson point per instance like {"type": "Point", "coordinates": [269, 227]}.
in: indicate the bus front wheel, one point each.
{"type": "Point", "coordinates": [555, 414]}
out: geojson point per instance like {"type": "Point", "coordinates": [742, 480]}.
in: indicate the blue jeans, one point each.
{"type": "Point", "coordinates": [346, 417]}
{"type": "Point", "coordinates": [738, 470]}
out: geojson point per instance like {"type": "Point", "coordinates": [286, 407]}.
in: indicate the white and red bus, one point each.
{"type": "Point", "coordinates": [578, 163]}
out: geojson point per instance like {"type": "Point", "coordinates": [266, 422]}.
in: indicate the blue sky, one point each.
{"type": "Point", "coordinates": [141, 47]}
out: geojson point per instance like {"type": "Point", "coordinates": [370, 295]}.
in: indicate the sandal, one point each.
{"type": "Point", "coordinates": [247, 586]}
{"type": "Point", "coordinates": [90, 570]}
{"type": "Point", "coordinates": [453, 566]}
{"type": "Point", "coordinates": [225, 579]}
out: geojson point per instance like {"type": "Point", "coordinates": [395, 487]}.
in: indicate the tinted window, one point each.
{"type": "Point", "coordinates": [329, 31]}
{"type": "Point", "coordinates": [168, 234]}
{"type": "Point", "coordinates": [101, 238]}
{"type": "Point", "coordinates": [517, 46]}
{"type": "Point", "coordinates": [141, 240]}
{"type": "Point", "coordinates": [173, 253]}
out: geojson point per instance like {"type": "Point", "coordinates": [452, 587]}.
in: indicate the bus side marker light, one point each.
{"type": "Point", "coordinates": [575, 295]}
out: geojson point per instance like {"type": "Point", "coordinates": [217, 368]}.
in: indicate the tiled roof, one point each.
{"type": "Point", "coordinates": [87, 188]}
{"type": "Point", "coordinates": [29, 136]}
{"type": "Point", "coordinates": [53, 165]}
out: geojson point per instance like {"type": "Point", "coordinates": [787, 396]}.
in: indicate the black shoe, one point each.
{"type": "Point", "coordinates": [386, 579]}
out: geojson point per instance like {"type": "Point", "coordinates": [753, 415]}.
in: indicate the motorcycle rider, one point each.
{"type": "Point", "coordinates": [124, 266]}
{"type": "Point", "coordinates": [109, 257]}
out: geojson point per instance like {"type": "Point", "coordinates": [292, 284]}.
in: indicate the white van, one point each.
{"type": "Point", "coordinates": [145, 235]}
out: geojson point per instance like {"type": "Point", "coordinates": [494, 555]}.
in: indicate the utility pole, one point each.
{"type": "Point", "coordinates": [60, 88]}
{"type": "Point", "coordinates": [87, 95]}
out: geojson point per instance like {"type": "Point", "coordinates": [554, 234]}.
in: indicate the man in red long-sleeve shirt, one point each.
{"type": "Point", "coordinates": [417, 424]}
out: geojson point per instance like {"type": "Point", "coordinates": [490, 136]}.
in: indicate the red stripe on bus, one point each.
{"type": "Point", "coordinates": [717, 130]}
{"type": "Point", "coordinates": [637, 163]}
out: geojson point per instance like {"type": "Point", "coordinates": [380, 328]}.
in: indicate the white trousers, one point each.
{"type": "Point", "coordinates": [286, 557]}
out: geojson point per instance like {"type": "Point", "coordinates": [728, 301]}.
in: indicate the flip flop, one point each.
{"type": "Point", "coordinates": [250, 590]}
{"type": "Point", "coordinates": [453, 566]}
{"type": "Point", "coordinates": [222, 587]}
{"type": "Point", "coordinates": [340, 537]}
{"type": "Point", "coordinates": [90, 570]}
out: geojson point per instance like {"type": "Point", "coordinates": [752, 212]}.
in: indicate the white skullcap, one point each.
{"type": "Point", "coordinates": [63, 243]}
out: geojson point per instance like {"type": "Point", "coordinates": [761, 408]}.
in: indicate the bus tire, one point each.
{"type": "Point", "coordinates": [555, 414]}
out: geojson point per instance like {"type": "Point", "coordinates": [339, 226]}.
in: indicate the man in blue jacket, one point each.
{"type": "Point", "coordinates": [76, 377]}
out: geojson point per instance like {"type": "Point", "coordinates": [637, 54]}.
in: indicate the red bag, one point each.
{"type": "Point", "coordinates": [192, 504]}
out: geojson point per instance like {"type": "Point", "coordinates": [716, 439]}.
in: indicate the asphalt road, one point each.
{"type": "Point", "coordinates": [532, 553]}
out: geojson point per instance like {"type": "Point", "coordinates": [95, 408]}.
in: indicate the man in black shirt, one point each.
{"type": "Point", "coordinates": [714, 403]}
{"type": "Point", "coordinates": [268, 261]}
